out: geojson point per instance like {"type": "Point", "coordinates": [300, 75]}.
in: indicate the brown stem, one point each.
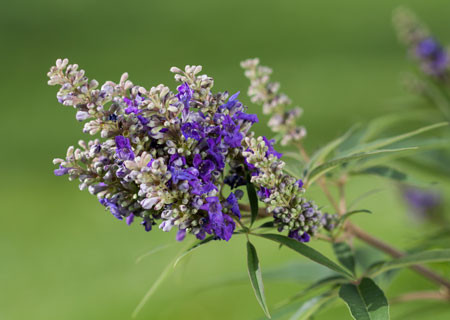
{"type": "Point", "coordinates": [421, 295]}
{"type": "Point", "coordinates": [395, 253]}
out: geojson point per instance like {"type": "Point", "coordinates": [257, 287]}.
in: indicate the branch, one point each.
{"type": "Point", "coordinates": [395, 253]}
{"type": "Point", "coordinates": [421, 295]}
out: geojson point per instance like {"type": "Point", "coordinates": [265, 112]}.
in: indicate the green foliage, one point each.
{"type": "Point", "coordinates": [191, 249]}
{"type": "Point", "coordinates": [306, 251]}
{"type": "Point", "coordinates": [345, 255]}
{"type": "Point", "coordinates": [411, 259]}
{"type": "Point", "coordinates": [322, 169]}
{"type": "Point", "coordinates": [253, 199]}
{"type": "Point", "coordinates": [366, 300]}
{"type": "Point", "coordinates": [254, 272]}
{"type": "Point", "coordinates": [362, 153]}
{"type": "Point", "coordinates": [311, 306]}
{"type": "Point", "coordinates": [348, 214]}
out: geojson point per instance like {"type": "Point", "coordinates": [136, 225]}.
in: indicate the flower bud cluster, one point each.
{"type": "Point", "coordinates": [265, 93]}
{"type": "Point", "coordinates": [282, 193]}
{"type": "Point", "coordinates": [165, 156]}
{"type": "Point", "coordinates": [434, 59]}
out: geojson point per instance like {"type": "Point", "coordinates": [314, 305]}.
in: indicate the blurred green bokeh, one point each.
{"type": "Point", "coordinates": [64, 257]}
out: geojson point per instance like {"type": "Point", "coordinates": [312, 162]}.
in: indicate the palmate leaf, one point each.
{"type": "Point", "coordinates": [254, 272]}
{"type": "Point", "coordinates": [366, 301]}
{"type": "Point", "coordinates": [332, 164]}
{"type": "Point", "coordinates": [306, 251]}
{"type": "Point", "coordinates": [440, 255]}
{"type": "Point", "coordinates": [345, 255]}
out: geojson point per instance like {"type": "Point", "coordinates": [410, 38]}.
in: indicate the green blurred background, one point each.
{"type": "Point", "coordinates": [64, 257]}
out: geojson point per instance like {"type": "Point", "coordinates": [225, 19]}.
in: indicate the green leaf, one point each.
{"type": "Point", "coordinates": [332, 164]}
{"type": "Point", "coordinates": [253, 199]}
{"type": "Point", "coordinates": [388, 173]}
{"type": "Point", "coordinates": [441, 255]}
{"type": "Point", "coordinates": [345, 255]}
{"type": "Point", "coordinates": [384, 123]}
{"type": "Point", "coordinates": [311, 306]}
{"type": "Point", "coordinates": [254, 272]}
{"type": "Point", "coordinates": [305, 251]}
{"type": "Point", "coordinates": [323, 152]}
{"type": "Point", "coordinates": [268, 224]}
{"type": "Point", "coordinates": [155, 285]}
{"type": "Point", "coordinates": [380, 143]}
{"type": "Point", "coordinates": [385, 172]}
{"type": "Point", "coordinates": [348, 214]}
{"type": "Point", "coordinates": [331, 280]}
{"type": "Point", "coordinates": [151, 252]}
{"type": "Point", "coordinates": [192, 248]}
{"type": "Point", "coordinates": [366, 301]}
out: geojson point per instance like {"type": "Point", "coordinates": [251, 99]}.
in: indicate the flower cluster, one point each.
{"type": "Point", "coordinates": [433, 57]}
{"type": "Point", "coordinates": [282, 193]}
{"type": "Point", "coordinates": [265, 93]}
{"type": "Point", "coordinates": [165, 157]}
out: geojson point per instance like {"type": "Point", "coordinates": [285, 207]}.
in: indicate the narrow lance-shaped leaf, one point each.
{"type": "Point", "coordinates": [328, 281]}
{"type": "Point", "coordinates": [323, 152]}
{"type": "Point", "coordinates": [311, 306]}
{"type": "Point", "coordinates": [192, 248]}
{"type": "Point", "coordinates": [366, 301]}
{"type": "Point", "coordinates": [380, 143]}
{"type": "Point", "coordinates": [253, 199]}
{"type": "Point", "coordinates": [254, 272]}
{"type": "Point", "coordinates": [345, 255]}
{"type": "Point", "coordinates": [156, 285]}
{"type": "Point", "coordinates": [332, 164]}
{"type": "Point", "coordinates": [440, 255]}
{"type": "Point", "coordinates": [348, 214]}
{"type": "Point", "coordinates": [306, 251]}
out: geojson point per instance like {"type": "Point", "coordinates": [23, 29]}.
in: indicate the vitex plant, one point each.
{"type": "Point", "coordinates": [188, 160]}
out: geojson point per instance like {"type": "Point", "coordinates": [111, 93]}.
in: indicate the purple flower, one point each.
{"type": "Point", "coordinates": [434, 57]}
{"type": "Point", "coordinates": [253, 118]}
{"type": "Point", "coordinates": [299, 183]}
{"type": "Point", "coordinates": [130, 219]}
{"type": "Point", "coordinates": [147, 223]}
{"type": "Point", "coordinates": [215, 153]}
{"type": "Point", "coordinates": [183, 174]}
{"type": "Point", "coordinates": [113, 207]}
{"type": "Point", "coordinates": [263, 193]}
{"type": "Point", "coordinates": [185, 95]}
{"type": "Point", "coordinates": [220, 224]}
{"type": "Point", "coordinates": [123, 148]}
{"type": "Point", "coordinates": [422, 201]}
{"type": "Point", "coordinates": [204, 167]}
{"type": "Point", "coordinates": [271, 150]}
{"type": "Point", "coordinates": [232, 136]}
{"type": "Point", "coordinates": [232, 102]}
{"type": "Point", "coordinates": [232, 203]}
{"type": "Point", "coordinates": [299, 235]}
{"type": "Point", "coordinates": [61, 171]}
{"type": "Point", "coordinates": [181, 234]}
{"type": "Point", "coordinates": [192, 130]}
